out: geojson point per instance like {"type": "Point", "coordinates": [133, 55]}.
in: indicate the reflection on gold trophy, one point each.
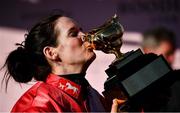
{"type": "Point", "coordinates": [107, 38]}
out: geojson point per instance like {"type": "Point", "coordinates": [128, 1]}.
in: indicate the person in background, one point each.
{"type": "Point", "coordinates": [161, 41]}
{"type": "Point", "coordinates": [54, 54]}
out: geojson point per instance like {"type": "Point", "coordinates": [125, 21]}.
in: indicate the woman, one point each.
{"type": "Point", "coordinates": [54, 54]}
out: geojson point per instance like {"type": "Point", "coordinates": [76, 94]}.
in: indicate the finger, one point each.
{"type": "Point", "coordinates": [115, 105]}
{"type": "Point", "coordinates": [120, 102]}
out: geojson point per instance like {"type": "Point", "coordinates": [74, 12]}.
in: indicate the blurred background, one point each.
{"type": "Point", "coordinates": [136, 16]}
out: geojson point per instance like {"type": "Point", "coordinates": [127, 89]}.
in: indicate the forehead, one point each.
{"type": "Point", "coordinates": [65, 23]}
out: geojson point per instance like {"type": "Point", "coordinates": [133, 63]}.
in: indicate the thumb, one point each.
{"type": "Point", "coordinates": [115, 104]}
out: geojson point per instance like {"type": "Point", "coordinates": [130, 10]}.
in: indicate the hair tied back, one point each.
{"type": "Point", "coordinates": [20, 45]}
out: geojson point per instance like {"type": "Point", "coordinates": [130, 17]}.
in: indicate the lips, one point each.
{"type": "Point", "coordinates": [90, 48]}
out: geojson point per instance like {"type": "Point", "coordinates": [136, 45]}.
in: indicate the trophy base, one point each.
{"type": "Point", "coordinates": [137, 76]}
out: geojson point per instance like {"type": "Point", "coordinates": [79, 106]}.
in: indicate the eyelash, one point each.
{"type": "Point", "coordinates": [74, 34]}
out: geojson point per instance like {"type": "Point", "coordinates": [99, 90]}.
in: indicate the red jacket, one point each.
{"type": "Point", "coordinates": [58, 94]}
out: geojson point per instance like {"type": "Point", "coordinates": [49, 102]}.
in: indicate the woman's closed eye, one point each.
{"type": "Point", "coordinates": [73, 32]}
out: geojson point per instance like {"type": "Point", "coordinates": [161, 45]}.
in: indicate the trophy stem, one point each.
{"type": "Point", "coordinates": [118, 55]}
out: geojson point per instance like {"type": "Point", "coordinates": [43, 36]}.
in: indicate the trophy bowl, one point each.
{"type": "Point", "coordinates": [107, 38]}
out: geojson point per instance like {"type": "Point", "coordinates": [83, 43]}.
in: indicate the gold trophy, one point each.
{"type": "Point", "coordinates": [107, 38]}
{"type": "Point", "coordinates": [133, 75]}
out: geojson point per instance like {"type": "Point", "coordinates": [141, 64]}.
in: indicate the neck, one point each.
{"type": "Point", "coordinates": [64, 69]}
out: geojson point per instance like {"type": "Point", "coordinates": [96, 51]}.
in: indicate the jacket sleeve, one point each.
{"type": "Point", "coordinates": [38, 107]}
{"type": "Point", "coordinates": [40, 103]}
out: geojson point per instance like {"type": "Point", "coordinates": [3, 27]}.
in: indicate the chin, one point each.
{"type": "Point", "coordinates": [88, 62]}
{"type": "Point", "coordinates": [91, 58]}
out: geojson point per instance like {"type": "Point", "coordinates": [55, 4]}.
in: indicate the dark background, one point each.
{"type": "Point", "coordinates": [135, 15]}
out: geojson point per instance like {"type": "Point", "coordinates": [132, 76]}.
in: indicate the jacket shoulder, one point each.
{"type": "Point", "coordinates": [35, 99]}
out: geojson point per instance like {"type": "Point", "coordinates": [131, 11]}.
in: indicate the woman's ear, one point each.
{"type": "Point", "coordinates": [50, 53]}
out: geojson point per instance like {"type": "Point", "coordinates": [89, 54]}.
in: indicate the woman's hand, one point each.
{"type": "Point", "coordinates": [116, 103]}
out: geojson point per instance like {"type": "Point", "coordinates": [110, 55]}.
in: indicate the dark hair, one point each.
{"type": "Point", "coordinates": [28, 60]}
{"type": "Point", "coordinates": [157, 35]}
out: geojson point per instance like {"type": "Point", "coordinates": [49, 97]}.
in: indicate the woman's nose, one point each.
{"type": "Point", "coordinates": [81, 36]}
{"type": "Point", "coordinates": [81, 33]}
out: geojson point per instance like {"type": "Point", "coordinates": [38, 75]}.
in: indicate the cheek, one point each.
{"type": "Point", "coordinates": [69, 45]}
{"type": "Point", "coordinates": [74, 46]}
{"type": "Point", "coordinates": [71, 48]}
{"type": "Point", "coordinates": [75, 43]}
